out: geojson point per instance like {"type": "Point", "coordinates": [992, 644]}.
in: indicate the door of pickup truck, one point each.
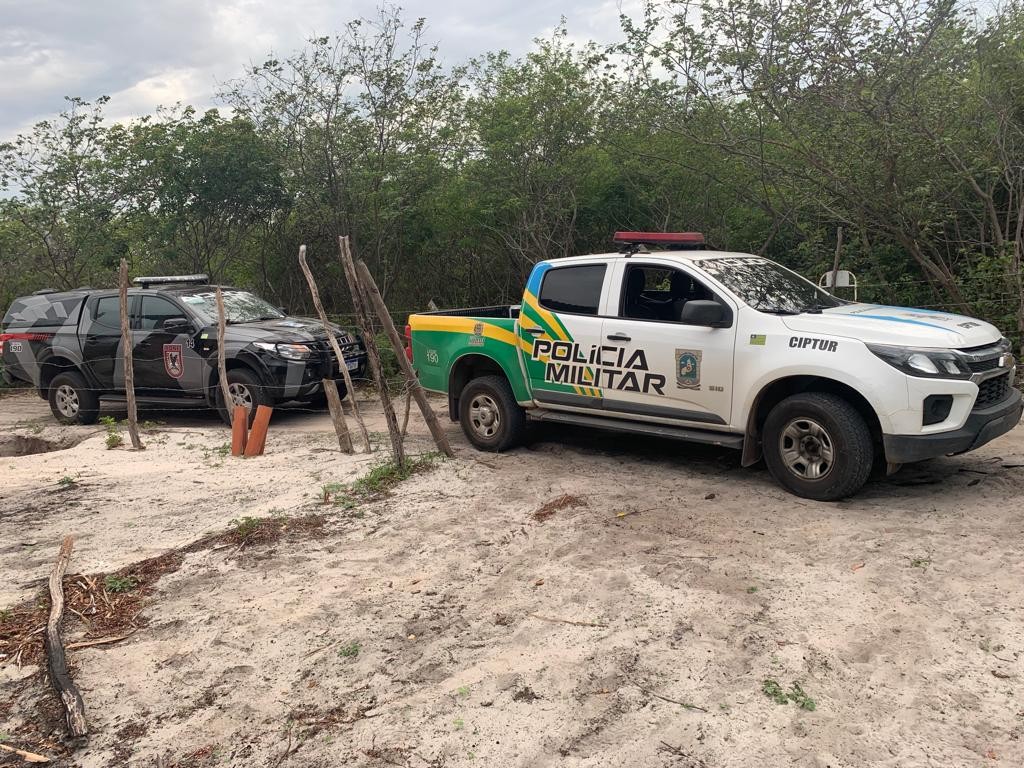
{"type": "Point", "coordinates": [560, 325]}
{"type": "Point", "coordinates": [688, 369]}
{"type": "Point", "coordinates": [100, 335]}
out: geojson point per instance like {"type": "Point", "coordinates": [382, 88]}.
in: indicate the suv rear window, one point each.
{"type": "Point", "coordinates": [42, 311]}
{"type": "Point", "coordinates": [573, 289]}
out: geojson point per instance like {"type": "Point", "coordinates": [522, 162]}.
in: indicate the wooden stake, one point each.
{"type": "Point", "coordinates": [74, 707]}
{"type": "Point", "coordinates": [340, 427]}
{"type": "Point", "coordinates": [408, 407]}
{"type": "Point", "coordinates": [360, 303]}
{"type": "Point", "coordinates": [418, 393]}
{"type": "Point", "coordinates": [239, 430]}
{"type": "Point", "coordinates": [129, 373]}
{"type": "Point", "coordinates": [258, 435]}
{"type": "Point", "coordinates": [334, 404]}
{"type": "Point", "coordinates": [222, 367]}
{"type": "Point", "coordinates": [28, 757]}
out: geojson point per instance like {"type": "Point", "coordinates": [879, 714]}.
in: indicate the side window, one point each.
{"type": "Point", "coordinates": [106, 312]}
{"type": "Point", "coordinates": [573, 289]}
{"type": "Point", "coordinates": [658, 293]}
{"type": "Point", "coordinates": [154, 311]}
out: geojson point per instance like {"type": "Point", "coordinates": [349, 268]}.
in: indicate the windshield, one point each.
{"type": "Point", "coordinates": [239, 306]}
{"type": "Point", "coordinates": [767, 286]}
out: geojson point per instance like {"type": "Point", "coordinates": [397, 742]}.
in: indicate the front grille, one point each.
{"type": "Point", "coordinates": [992, 391]}
{"type": "Point", "coordinates": [980, 366]}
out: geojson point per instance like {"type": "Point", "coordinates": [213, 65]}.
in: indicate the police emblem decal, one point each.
{"type": "Point", "coordinates": [174, 363]}
{"type": "Point", "coordinates": [688, 368]}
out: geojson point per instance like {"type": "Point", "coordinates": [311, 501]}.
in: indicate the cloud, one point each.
{"type": "Point", "coordinates": [146, 54]}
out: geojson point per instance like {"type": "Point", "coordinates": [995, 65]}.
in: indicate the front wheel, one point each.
{"type": "Point", "coordinates": [245, 390]}
{"type": "Point", "coordinates": [818, 446]}
{"type": "Point", "coordinates": [71, 400]}
{"type": "Point", "coordinates": [490, 415]}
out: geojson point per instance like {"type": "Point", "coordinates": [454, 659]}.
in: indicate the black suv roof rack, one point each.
{"type": "Point", "coordinates": [44, 291]}
{"type": "Point", "coordinates": [146, 282]}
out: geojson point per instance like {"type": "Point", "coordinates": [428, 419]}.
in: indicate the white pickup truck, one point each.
{"type": "Point", "coordinates": [724, 348]}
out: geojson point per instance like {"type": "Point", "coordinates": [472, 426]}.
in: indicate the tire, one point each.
{"type": "Point", "coordinates": [491, 418]}
{"type": "Point", "coordinates": [247, 390]}
{"type": "Point", "coordinates": [816, 433]}
{"type": "Point", "coordinates": [71, 400]}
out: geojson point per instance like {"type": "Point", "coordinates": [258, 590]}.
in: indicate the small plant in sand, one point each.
{"type": "Point", "coordinates": [114, 438]}
{"type": "Point", "coordinates": [67, 482]}
{"type": "Point", "coordinates": [349, 651]}
{"type": "Point", "coordinates": [920, 562]}
{"type": "Point", "coordinates": [246, 526]}
{"type": "Point", "coordinates": [114, 583]}
{"type": "Point", "coordinates": [796, 694]}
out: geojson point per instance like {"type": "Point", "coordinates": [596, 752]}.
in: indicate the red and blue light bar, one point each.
{"type": "Point", "coordinates": [667, 239]}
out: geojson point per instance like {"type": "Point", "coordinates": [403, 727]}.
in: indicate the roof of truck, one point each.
{"type": "Point", "coordinates": [680, 255]}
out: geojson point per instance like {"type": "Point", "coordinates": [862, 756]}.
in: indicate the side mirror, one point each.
{"type": "Point", "coordinates": [176, 325]}
{"type": "Point", "coordinates": [703, 312]}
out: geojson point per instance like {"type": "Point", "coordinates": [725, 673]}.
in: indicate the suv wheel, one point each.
{"type": "Point", "coordinates": [818, 446]}
{"type": "Point", "coordinates": [71, 400]}
{"type": "Point", "coordinates": [490, 416]}
{"type": "Point", "coordinates": [245, 389]}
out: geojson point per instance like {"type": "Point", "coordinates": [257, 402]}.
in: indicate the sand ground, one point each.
{"type": "Point", "coordinates": [445, 625]}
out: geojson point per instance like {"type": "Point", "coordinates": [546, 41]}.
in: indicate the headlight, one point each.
{"type": "Point", "coordinates": [928, 363]}
{"type": "Point", "coordinates": [287, 351]}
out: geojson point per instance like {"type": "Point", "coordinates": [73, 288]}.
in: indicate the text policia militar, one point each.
{"type": "Point", "coordinates": [600, 366]}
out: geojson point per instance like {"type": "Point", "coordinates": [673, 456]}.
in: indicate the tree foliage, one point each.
{"type": "Point", "coordinates": [767, 124]}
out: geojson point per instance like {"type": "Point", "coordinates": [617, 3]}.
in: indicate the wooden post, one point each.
{"type": "Point", "coordinates": [340, 427]}
{"type": "Point", "coordinates": [222, 367]}
{"type": "Point", "coordinates": [418, 393]}
{"type": "Point", "coordinates": [74, 707]}
{"type": "Point", "coordinates": [258, 436]}
{"type": "Point", "coordinates": [129, 373]}
{"type": "Point", "coordinates": [359, 303]}
{"type": "Point", "coordinates": [239, 430]}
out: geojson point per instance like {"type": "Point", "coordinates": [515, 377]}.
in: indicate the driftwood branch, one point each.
{"type": "Point", "coordinates": [418, 393]}
{"type": "Point", "coordinates": [74, 707]}
{"type": "Point", "coordinates": [359, 303]}
{"type": "Point", "coordinates": [129, 371]}
{"type": "Point", "coordinates": [222, 366]}
{"type": "Point", "coordinates": [28, 757]}
{"type": "Point", "coordinates": [337, 416]}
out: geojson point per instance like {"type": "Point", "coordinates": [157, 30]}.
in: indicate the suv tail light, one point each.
{"type": "Point", "coordinates": [408, 341]}
{"type": "Point", "coordinates": [6, 337]}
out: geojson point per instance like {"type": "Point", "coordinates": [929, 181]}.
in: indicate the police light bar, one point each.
{"type": "Point", "coordinates": [667, 239]}
{"type": "Point", "coordinates": [145, 282]}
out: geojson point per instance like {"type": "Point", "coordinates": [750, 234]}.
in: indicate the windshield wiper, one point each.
{"type": "Point", "coordinates": [778, 311]}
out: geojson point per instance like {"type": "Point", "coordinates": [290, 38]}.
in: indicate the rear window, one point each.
{"type": "Point", "coordinates": [573, 289]}
{"type": "Point", "coordinates": [42, 312]}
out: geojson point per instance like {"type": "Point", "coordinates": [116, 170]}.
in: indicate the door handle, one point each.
{"type": "Point", "coordinates": [534, 331]}
{"type": "Point", "coordinates": [619, 337]}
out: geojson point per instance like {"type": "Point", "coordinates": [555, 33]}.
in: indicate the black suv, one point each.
{"type": "Point", "coordinates": [68, 345]}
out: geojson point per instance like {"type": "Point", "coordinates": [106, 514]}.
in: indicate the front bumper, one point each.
{"type": "Point", "coordinates": [981, 426]}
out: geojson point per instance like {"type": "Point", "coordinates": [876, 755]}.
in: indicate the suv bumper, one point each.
{"type": "Point", "coordinates": [983, 425]}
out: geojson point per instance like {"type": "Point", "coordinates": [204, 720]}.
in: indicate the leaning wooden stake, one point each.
{"type": "Point", "coordinates": [418, 393]}
{"type": "Point", "coordinates": [28, 757]}
{"type": "Point", "coordinates": [360, 302]}
{"type": "Point", "coordinates": [222, 366]}
{"type": "Point", "coordinates": [129, 373]}
{"type": "Point", "coordinates": [257, 440]}
{"type": "Point", "coordinates": [74, 707]}
{"type": "Point", "coordinates": [344, 437]}
{"type": "Point", "coordinates": [239, 430]}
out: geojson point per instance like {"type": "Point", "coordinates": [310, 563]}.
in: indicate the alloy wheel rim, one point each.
{"type": "Point", "coordinates": [807, 449]}
{"type": "Point", "coordinates": [67, 401]}
{"type": "Point", "coordinates": [240, 395]}
{"type": "Point", "coordinates": [484, 416]}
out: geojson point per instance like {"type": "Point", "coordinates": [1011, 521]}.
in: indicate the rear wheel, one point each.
{"type": "Point", "coordinates": [490, 416]}
{"type": "Point", "coordinates": [71, 400]}
{"type": "Point", "coordinates": [818, 446]}
{"type": "Point", "coordinates": [245, 390]}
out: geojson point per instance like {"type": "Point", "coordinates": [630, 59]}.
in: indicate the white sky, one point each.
{"type": "Point", "coordinates": [144, 53]}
